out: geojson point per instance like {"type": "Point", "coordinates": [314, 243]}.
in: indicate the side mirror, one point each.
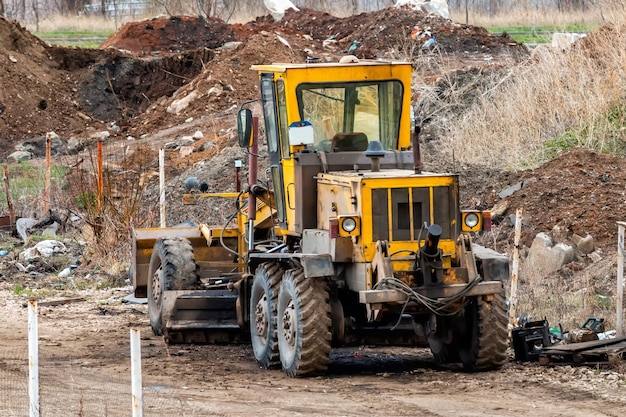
{"type": "Point", "coordinates": [244, 128]}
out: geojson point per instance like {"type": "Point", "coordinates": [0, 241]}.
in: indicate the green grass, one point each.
{"type": "Point", "coordinates": [20, 290]}
{"type": "Point", "coordinates": [74, 38]}
{"type": "Point", "coordinates": [27, 180]}
{"type": "Point", "coordinates": [540, 34]}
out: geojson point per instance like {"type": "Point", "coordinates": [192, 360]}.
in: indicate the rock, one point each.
{"type": "Point", "coordinates": [171, 146]}
{"type": "Point", "coordinates": [206, 145]}
{"type": "Point", "coordinates": [500, 208]}
{"type": "Point", "coordinates": [229, 46]}
{"type": "Point", "coordinates": [75, 145]}
{"type": "Point", "coordinates": [186, 141]}
{"type": "Point", "coordinates": [544, 257]}
{"type": "Point", "coordinates": [19, 156]}
{"type": "Point", "coordinates": [37, 146]}
{"type": "Point", "coordinates": [179, 105]}
{"type": "Point", "coordinates": [515, 187]}
{"type": "Point", "coordinates": [584, 244]}
{"type": "Point", "coordinates": [595, 256]}
{"type": "Point", "coordinates": [105, 134]}
{"type": "Point", "coordinates": [198, 135]}
{"type": "Point", "coordinates": [65, 273]}
{"type": "Point", "coordinates": [564, 40]}
{"type": "Point", "coordinates": [185, 151]}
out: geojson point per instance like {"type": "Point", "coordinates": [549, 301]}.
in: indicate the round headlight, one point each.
{"type": "Point", "coordinates": [471, 220]}
{"type": "Point", "coordinates": [348, 224]}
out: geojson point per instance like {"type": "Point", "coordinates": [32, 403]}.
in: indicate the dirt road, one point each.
{"type": "Point", "coordinates": [85, 371]}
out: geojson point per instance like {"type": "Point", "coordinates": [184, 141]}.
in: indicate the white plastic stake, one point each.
{"type": "Point", "coordinates": [162, 185]}
{"type": "Point", "coordinates": [135, 372]}
{"type": "Point", "coordinates": [620, 278]}
{"type": "Point", "coordinates": [33, 359]}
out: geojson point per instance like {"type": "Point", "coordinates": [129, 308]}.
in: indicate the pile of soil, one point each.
{"type": "Point", "coordinates": [176, 34]}
{"type": "Point", "coordinates": [37, 94]}
{"type": "Point", "coordinates": [142, 66]}
{"type": "Point", "coordinates": [580, 191]}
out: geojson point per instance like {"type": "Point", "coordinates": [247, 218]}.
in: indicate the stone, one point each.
{"type": "Point", "coordinates": [545, 257]}
{"type": "Point", "coordinates": [585, 244]}
{"type": "Point", "coordinates": [75, 145]}
{"type": "Point", "coordinates": [181, 104]}
{"type": "Point", "coordinates": [37, 146]}
{"type": "Point", "coordinates": [19, 156]}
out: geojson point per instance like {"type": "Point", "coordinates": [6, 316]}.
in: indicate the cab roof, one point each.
{"type": "Point", "coordinates": [282, 67]}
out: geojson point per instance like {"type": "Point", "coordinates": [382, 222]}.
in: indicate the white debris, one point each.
{"type": "Point", "coordinates": [181, 104]}
{"type": "Point", "coordinates": [438, 7]}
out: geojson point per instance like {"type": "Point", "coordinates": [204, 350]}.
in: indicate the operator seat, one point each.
{"type": "Point", "coordinates": [349, 141]}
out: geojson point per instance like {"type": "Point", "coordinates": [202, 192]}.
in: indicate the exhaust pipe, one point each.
{"type": "Point", "coordinates": [417, 156]}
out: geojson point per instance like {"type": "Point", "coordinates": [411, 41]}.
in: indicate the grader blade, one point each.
{"type": "Point", "coordinates": [203, 317]}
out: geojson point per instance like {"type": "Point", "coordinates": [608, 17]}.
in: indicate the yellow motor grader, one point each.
{"type": "Point", "coordinates": [344, 240]}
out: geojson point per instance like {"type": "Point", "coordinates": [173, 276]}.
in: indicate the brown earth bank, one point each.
{"type": "Point", "coordinates": [72, 91]}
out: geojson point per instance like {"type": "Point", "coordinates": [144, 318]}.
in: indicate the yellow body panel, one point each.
{"type": "Point", "coordinates": [349, 193]}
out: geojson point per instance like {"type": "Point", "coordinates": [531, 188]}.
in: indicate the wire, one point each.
{"type": "Point", "coordinates": [441, 306]}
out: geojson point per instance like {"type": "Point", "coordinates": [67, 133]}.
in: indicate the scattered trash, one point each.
{"type": "Point", "coordinates": [4, 252]}
{"type": "Point", "coordinates": [131, 299]}
{"type": "Point", "coordinates": [589, 344]}
{"type": "Point", "coordinates": [45, 248]}
{"type": "Point", "coordinates": [585, 353]}
{"type": "Point", "coordinates": [530, 338]}
{"type": "Point", "coordinates": [65, 273]}
{"type": "Point", "coordinates": [353, 47]}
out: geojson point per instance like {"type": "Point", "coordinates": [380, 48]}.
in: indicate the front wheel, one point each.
{"type": "Point", "coordinates": [304, 324]}
{"type": "Point", "coordinates": [263, 306]}
{"type": "Point", "coordinates": [486, 344]}
{"type": "Point", "coordinates": [172, 267]}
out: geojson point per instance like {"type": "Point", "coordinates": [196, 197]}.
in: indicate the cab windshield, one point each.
{"type": "Point", "coordinates": [347, 116]}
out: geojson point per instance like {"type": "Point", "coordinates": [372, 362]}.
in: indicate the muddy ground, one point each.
{"type": "Point", "coordinates": [85, 369]}
{"type": "Point", "coordinates": [131, 88]}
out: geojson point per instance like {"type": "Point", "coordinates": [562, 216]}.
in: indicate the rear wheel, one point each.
{"type": "Point", "coordinates": [172, 267]}
{"type": "Point", "coordinates": [304, 324]}
{"type": "Point", "coordinates": [486, 343]}
{"type": "Point", "coordinates": [263, 306]}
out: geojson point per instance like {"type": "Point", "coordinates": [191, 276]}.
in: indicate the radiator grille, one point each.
{"type": "Point", "coordinates": [398, 214]}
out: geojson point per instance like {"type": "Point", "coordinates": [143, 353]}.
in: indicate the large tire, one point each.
{"type": "Point", "coordinates": [304, 324]}
{"type": "Point", "coordinates": [263, 307]}
{"type": "Point", "coordinates": [172, 267]}
{"type": "Point", "coordinates": [485, 348]}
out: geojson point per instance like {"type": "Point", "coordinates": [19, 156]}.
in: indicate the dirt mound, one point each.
{"type": "Point", "coordinates": [174, 34]}
{"type": "Point", "coordinates": [37, 94]}
{"type": "Point", "coordinates": [581, 191]}
{"type": "Point", "coordinates": [69, 90]}
{"type": "Point", "coordinates": [391, 29]}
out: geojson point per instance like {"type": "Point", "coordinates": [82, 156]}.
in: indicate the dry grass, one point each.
{"type": "Point", "coordinates": [76, 24]}
{"type": "Point", "coordinates": [555, 100]}
{"type": "Point", "coordinates": [534, 16]}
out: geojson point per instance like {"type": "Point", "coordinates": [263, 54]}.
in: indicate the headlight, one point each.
{"type": "Point", "coordinates": [471, 220]}
{"type": "Point", "coordinates": [348, 224]}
